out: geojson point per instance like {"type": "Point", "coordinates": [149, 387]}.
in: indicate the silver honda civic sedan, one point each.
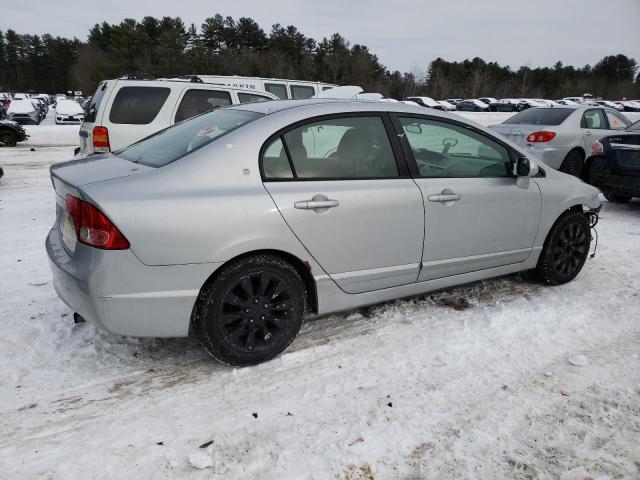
{"type": "Point", "coordinates": [237, 224]}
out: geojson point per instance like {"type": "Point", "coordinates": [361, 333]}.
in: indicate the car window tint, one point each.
{"type": "Point", "coordinates": [354, 147]}
{"type": "Point", "coordinates": [252, 98]}
{"type": "Point", "coordinates": [447, 150]}
{"type": "Point", "coordinates": [137, 105]}
{"type": "Point", "coordinates": [196, 101]}
{"type": "Point", "coordinates": [617, 121]}
{"type": "Point", "coordinates": [275, 162]}
{"type": "Point", "coordinates": [175, 142]}
{"type": "Point", "coordinates": [299, 91]}
{"type": "Point", "coordinates": [278, 89]}
{"type": "Point", "coordinates": [593, 119]}
{"type": "Point", "coordinates": [540, 116]}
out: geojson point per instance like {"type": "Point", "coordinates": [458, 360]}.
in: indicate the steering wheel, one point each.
{"type": "Point", "coordinates": [448, 143]}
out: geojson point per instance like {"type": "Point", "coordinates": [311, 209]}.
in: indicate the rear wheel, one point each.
{"type": "Point", "coordinates": [8, 138]}
{"type": "Point", "coordinates": [565, 249]}
{"type": "Point", "coordinates": [252, 311]}
{"type": "Point", "coordinates": [573, 163]}
{"type": "Point", "coordinates": [617, 198]}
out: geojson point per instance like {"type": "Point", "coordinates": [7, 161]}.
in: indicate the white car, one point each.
{"type": "Point", "coordinates": [69, 112]}
{"type": "Point", "coordinates": [23, 111]}
{"type": "Point", "coordinates": [630, 105]}
{"type": "Point", "coordinates": [446, 106]}
{"type": "Point", "coordinates": [610, 104]}
{"type": "Point", "coordinates": [21, 96]}
{"type": "Point", "coordinates": [426, 102]}
{"type": "Point", "coordinates": [123, 111]}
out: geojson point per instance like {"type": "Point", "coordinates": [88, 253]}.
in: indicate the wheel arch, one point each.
{"type": "Point", "coordinates": [303, 268]}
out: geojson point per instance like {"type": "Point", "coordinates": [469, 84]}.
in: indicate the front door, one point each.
{"type": "Point", "coordinates": [342, 191]}
{"type": "Point", "coordinates": [476, 216]}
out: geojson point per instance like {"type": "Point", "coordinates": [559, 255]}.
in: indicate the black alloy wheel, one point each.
{"type": "Point", "coordinates": [252, 311]}
{"type": "Point", "coordinates": [565, 250]}
{"type": "Point", "coordinates": [8, 138]}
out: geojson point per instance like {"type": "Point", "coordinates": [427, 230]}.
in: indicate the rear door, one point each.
{"type": "Point", "coordinates": [343, 189]}
{"type": "Point", "coordinates": [476, 216]}
{"type": "Point", "coordinates": [593, 126]}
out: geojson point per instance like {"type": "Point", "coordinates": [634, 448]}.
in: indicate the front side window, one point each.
{"type": "Point", "coordinates": [175, 142]}
{"type": "Point", "coordinates": [138, 105]}
{"type": "Point", "coordinates": [196, 101]}
{"type": "Point", "coordinates": [616, 121]}
{"type": "Point", "coordinates": [593, 119]}
{"type": "Point", "coordinates": [278, 89]}
{"type": "Point", "coordinates": [341, 148]}
{"type": "Point", "coordinates": [252, 98]}
{"type": "Point", "coordinates": [299, 92]}
{"type": "Point", "coordinates": [448, 150]}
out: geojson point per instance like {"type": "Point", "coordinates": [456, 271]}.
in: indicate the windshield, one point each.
{"type": "Point", "coordinates": [634, 127]}
{"type": "Point", "coordinates": [540, 116]}
{"type": "Point", "coordinates": [175, 142]}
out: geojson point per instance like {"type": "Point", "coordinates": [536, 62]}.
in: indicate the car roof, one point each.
{"type": "Point", "coordinates": [341, 105]}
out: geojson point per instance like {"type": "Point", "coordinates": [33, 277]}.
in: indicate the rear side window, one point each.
{"type": "Point", "coordinates": [593, 119]}
{"type": "Point", "coordinates": [341, 148]}
{"type": "Point", "coordinates": [278, 89]}
{"type": "Point", "coordinates": [540, 116]}
{"type": "Point", "coordinates": [137, 105]}
{"type": "Point", "coordinates": [252, 98]}
{"type": "Point", "coordinates": [300, 92]}
{"type": "Point", "coordinates": [175, 142]}
{"type": "Point", "coordinates": [196, 101]}
{"type": "Point", "coordinates": [92, 109]}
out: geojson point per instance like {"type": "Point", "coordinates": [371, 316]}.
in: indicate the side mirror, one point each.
{"type": "Point", "coordinates": [522, 167]}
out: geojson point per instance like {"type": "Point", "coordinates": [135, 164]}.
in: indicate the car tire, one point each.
{"type": "Point", "coordinates": [565, 250]}
{"type": "Point", "coordinates": [616, 197]}
{"type": "Point", "coordinates": [573, 163]}
{"type": "Point", "coordinates": [251, 311]}
{"type": "Point", "coordinates": [8, 138]}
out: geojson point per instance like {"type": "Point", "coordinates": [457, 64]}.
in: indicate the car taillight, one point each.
{"type": "Point", "coordinates": [541, 137]}
{"type": "Point", "coordinates": [93, 228]}
{"type": "Point", "coordinates": [101, 139]}
{"type": "Point", "coordinates": [597, 148]}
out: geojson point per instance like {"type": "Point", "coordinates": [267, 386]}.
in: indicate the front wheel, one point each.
{"type": "Point", "coordinates": [565, 250]}
{"type": "Point", "coordinates": [617, 198]}
{"type": "Point", "coordinates": [252, 311]}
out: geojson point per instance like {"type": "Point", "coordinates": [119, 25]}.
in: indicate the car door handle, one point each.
{"type": "Point", "coordinates": [445, 197]}
{"type": "Point", "coordinates": [588, 133]}
{"type": "Point", "coordinates": [313, 204]}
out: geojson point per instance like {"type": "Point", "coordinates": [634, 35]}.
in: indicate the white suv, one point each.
{"type": "Point", "coordinates": [123, 111]}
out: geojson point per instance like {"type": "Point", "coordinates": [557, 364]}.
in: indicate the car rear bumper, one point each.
{"type": "Point", "coordinates": [620, 184]}
{"type": "Point", "coordinates": [116, 292]}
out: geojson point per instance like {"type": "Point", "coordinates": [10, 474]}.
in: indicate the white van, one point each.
{"type": "Point", "coordinates": [123, 111]}
{"type": "Point", "coordinates": [280, 87]}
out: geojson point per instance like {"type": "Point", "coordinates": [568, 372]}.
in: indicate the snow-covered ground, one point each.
{"type": "Point", "coordinates": [498, 379]}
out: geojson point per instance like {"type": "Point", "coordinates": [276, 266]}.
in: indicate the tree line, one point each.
{"type": "Point", "coordinates": [166, 47]}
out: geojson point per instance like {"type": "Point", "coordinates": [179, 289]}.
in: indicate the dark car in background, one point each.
{"type": "Point", "coordinates": [11, 133]}
{"type": "Point", "coordinates": [614, 166]}
{"type": "Point", "coordinates": [507, 105]}
{"type": "Point", "coordinates": [472, 105]}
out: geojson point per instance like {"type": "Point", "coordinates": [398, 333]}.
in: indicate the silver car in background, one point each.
{"type": "Point", "coordinates": [235, 225]}
{"type": "Point", "coordinates": [562, 136]}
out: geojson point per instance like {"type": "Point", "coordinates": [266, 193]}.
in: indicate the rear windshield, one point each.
{"type": "Point", "coordinates": [540, 116]}
{"type": "Point", "coordinates": [138, 105]}
{"type": "Point", "coordinates": [92, 109]}
{"type": "Point", "coordinates": [175, 142]}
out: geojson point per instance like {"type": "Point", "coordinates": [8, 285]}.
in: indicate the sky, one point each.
{"type": "Point", "coordinates": [405, 35]}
